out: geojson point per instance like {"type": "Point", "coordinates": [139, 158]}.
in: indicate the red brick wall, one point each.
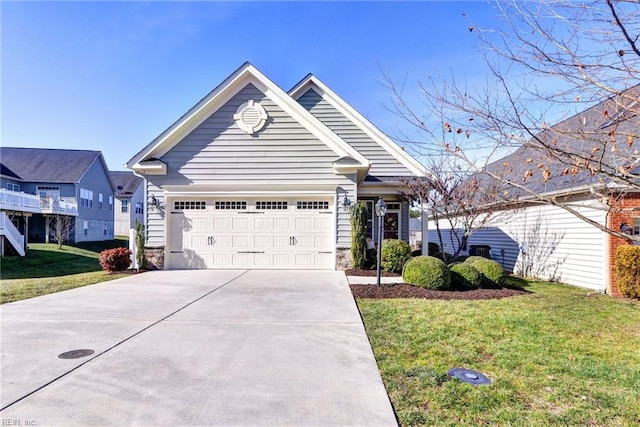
{"type": "Point", "coordinates": [615, 219]}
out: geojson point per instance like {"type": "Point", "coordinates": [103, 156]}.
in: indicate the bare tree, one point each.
{"type": "Point", "coordinates": [537, 242]}
{"type": "Point", "coordinates": [458, 203]}
{"type": "Point", "coordinates": [561, 102]}
{"type": "Point", "coordinates": [60, 227]}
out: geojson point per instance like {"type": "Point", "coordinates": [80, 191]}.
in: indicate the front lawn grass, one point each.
{"type": "Point", "coordinates": [46, 269]}
{"type": "Point", "coordinates": [556, 357]}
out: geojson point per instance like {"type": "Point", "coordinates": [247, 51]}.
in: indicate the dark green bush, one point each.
{"type": "Point", "coordinates": [493, 275]}
{"type": "Point", "coordinates": [427, 272]}
{"type": "Point", "coordinates": [465, 277]}
{"type": "Point", "coordinates": [395, 253]}
{"type": "Point", "coordinates": [359, 234]}
{"type": "Point", "coordinates": [627, 270]}
{"type": "Point", "coordinates": [433, 248]}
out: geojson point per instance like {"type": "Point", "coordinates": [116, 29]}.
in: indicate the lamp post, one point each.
{"type": "Point", "coordinates": [381, 210]}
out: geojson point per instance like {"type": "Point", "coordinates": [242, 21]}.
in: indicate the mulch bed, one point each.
{"type": "Point", "coordinates": [369, 273]}
{"type": "Point", "coordinates": [409, 291]}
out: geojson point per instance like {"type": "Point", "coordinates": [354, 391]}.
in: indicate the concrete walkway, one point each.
{"type": "Point", "coordinates": [224, 348]}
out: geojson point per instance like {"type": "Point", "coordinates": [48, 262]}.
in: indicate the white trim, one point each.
{"type": "Point", "coordinates": [312, 82]}
{"type": "Point", "coordinates": [245, 75]}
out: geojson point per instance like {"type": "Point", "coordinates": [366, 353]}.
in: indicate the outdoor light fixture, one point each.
{"type": "Point", "coordinates": [625, 228]}
{"type": "Point", "coordinates": [381, 210]}
{"type": "Point", "coordinates": [153, 202]}
{"type": "Point", "coordinates": [346, 203]}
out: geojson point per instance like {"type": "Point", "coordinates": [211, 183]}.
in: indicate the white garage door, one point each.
{"type": "Point", "coordinates": [282, 233]}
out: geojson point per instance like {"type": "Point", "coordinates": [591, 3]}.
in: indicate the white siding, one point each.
{"type": "Point", "coordinates": [218, 154]}
{"type": "Point", "coordinates": [383, 163]}
{"type": "Point", "coordinates": [579, 256]}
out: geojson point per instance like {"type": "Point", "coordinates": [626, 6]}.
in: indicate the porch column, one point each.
{"type": "Point", "coordinates": [425, 228]}
{"type": "Point", "coordinates": [46, 228]}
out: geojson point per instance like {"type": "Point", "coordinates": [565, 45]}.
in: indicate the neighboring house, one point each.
{"type": "Point", "coordinates": [38, 184]}
{"type": "Point", "coordinates": [548, 242]}
{"type": "Point", "coordinates": [255, 177]}
{"type": "Point", "coordinates": [129, 206]}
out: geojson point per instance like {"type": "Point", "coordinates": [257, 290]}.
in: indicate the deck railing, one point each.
{"type": "Point", "coordinates": [49, 205]}
{"type": "Point", "coordinates": [17, 201]}
{"type": "Point", "coordinates": [11, 233]}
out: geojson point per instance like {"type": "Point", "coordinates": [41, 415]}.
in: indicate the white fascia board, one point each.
{"type": "Point", "coordinates": [251, 189]}
{"type": "Point", "coordinates": [312, 82]}
{"type": "Point", "coordinates": [223, 93]}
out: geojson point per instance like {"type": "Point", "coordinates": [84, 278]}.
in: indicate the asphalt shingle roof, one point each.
{"type": "Point", "coordinates": [125, 182]}
{"type": "Point", "coordinates": [599, 132]}
{"type": "Point", "coordinates": [46, 165]}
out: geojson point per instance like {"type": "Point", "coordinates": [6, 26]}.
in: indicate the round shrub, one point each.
{"type": "Point", "coordinates": [117, 259]}
{"type": "Point", "coordinates": [493, 275]}
{"type": "Point", "coordinates": [395, 253]}
{"type": "Point", "coordinates": [473, 258]}
{"type": "Point", "coordinates": [427, 272]}
{"type": "Point", "coordinates": [465, 276]}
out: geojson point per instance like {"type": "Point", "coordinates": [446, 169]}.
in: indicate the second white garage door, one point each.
{"type": "Point", "coordinates": [283, 233]}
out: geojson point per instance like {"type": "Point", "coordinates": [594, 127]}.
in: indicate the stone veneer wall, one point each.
{"type": "Point", "coordinates": [343, 259]}
{"type": "Point", "coordinates": [155, 257]}
{"type": "Point", "coordinates": [629, 201]}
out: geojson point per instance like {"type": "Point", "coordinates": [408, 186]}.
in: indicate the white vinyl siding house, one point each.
{"type": "Point", "coordinates": [270, 188]}
{"type": "Point", "coordinates": [579, 255]}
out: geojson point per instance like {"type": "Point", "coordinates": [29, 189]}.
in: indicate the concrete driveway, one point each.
{"type": "Point", "coordinates": [237, 348]}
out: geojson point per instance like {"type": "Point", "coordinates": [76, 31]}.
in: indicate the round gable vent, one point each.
{"type": "Point", "coordinates": [250, 117]}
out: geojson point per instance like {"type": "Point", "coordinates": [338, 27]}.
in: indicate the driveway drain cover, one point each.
{"type": "Point", "coordinates": [76, 354]}
{"type": "Point", "coordinates": [469, 376]}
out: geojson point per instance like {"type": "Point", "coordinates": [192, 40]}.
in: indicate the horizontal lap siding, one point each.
{"type": "Point", "coordinates": [383, 163]}
{"type": "Point", "coordinates": [219, 152]}
{"type": "Point", "coordinates": [579, 256]}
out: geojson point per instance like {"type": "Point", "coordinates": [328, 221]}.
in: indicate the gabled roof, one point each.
{"type": "Point", "coordinates": [246, 74]}
{"type": "Point", "coordinates": [47, 165]}
{"type": "Point", "coordinates": [125, 182]}
{"type": "Point", "coordinates": [312, 82]}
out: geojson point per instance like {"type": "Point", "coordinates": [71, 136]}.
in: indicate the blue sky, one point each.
{"type": "Point", "coordinates": [111, 76]}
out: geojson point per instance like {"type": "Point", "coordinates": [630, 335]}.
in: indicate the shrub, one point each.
{"type": "Point", "coordinates": [433, 247]}
{"type": "Point", "coordinates": [140, 235]}
{"type": "Point", "coordinates": [395, 254]}
{"type": "Point", "coordinates": [427, 272]}
{"type": "Point", "coordinates": [465, 276]}
{"type": "Point", "coordinates": [116, 259]}
{"type": "Point", "coordinates": [359, 234]}
{"type": "Point", "coordinates": [627, 270]}
{"type": "Point", "coordinates": [473, 258]}
{"type": "Point", "coordinates": [493, 275]}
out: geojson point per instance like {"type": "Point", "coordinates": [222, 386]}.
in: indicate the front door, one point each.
{"type": "Point", "coordinates": [391, 225]}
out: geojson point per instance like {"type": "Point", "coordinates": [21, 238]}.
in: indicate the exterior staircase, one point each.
{"type": "Point", "coordinates": [9, 232]}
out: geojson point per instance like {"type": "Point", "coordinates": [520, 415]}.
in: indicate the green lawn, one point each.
{"type": "Point", "coordinates": [47, 269]}
{"type": "Point", "coordinates": [556, 357]}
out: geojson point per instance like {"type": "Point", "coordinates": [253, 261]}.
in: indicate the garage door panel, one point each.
{"type": "Point", "coordinates": [262, 242]}
{"type": "Point", "coordinates": [240, 223]}
{"type": "Point", "coordinates": [254, 233]}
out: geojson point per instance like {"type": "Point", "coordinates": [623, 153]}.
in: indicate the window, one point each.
{"type": "Point", "coordinates": [99, 200]}
{"type": "Point", "coordinates": [104, 228]}
{"type": "Point", "coordinates": [86, 198]}
{"type": "Point", "coordinates": [139, 208]}
{"type": "Point", "coordinates": [48, 192]}
{"type": "Point", "coordinates": [85, 228]}
{"type": "Point", "coordinates": [13, 187]}
{"type": "Point", "coordinates": [272, 205]}
{"type": "Point", "coordinates": [125, 206]}
{"type": "Point", "coordinates": [110, 203]}
{"type": "Point", "coordinates": [232, 205]}
{"type": "Point", "coordinates": [189, 205]}
{"type": "Point", "coordinates": [312, 205]}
